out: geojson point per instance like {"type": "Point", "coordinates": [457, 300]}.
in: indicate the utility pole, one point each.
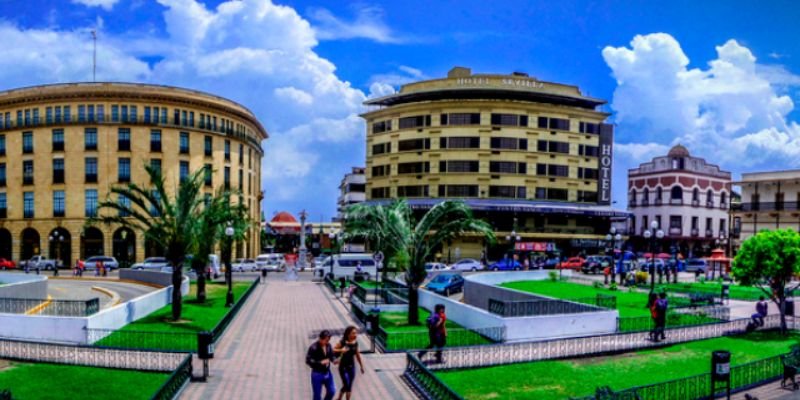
{"type": "Point", "coordinates": [94, 56]}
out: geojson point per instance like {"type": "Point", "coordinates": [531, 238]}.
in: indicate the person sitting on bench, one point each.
{"type": "Point", "coordinates": [761, 312]}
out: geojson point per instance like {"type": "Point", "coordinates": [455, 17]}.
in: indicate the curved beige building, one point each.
{"type": "Point", "coordinates": [64, 146]}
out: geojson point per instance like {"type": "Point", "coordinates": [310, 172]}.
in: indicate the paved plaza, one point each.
{"type": "Point", "coordinates": [263, 353]}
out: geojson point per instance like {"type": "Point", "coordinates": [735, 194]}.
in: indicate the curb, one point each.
{"type": "Point", "coordinates": [40, 307]}
{"type": "Point", "coordinates": [115, 298]}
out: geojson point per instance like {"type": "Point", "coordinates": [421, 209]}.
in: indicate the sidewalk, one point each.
{"type": "Point", "coordinates": [262, 355]}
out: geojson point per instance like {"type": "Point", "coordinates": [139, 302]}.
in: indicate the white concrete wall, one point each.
{"type": "Point", "coordinates": [497, 278]}
{"type": "Point", "coordinates": [23, 286]}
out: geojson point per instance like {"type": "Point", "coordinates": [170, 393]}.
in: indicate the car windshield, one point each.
{"type": "Point", "coordinates": [441, 279]}
{"type": "Point", "coordinates": [154, 260]}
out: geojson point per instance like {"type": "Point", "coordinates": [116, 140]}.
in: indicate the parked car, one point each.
{"type": "Point", "coordinates": [696, 264]}
{"type": "Point", "coordinates": [467, 264]}
{"type": "Point", "coordinates": [40, 262]}
{"type": "Point", "coordinates": [645, 265]}
{"type": "Point", "coordinates": [244, 264]}
{"type": "Point", "coordinates": [596, 264]}
{"type": "Point", "coordinates": [506, 264]}
{"type": "Point", "coordinates": [575, 263]}
{"type": "Point", "coordinates": [318, 261]}
{"type": "Point", "coordinates": [151, 263]}
{"type": "Point", "coordinates": [348, 264]}
{"type": "Point", "coordinates": [446, 284]}
{"type": "Point", "coordinates": [109, 263]}
{"type": "Point", "coordinates": [436, 266]}
{"type": "Point", "coordinates": [7, 264]}
{"type": "Point", "coordinates": [550, 263]}
{"type": "Point", "coordinates": [271, 262]}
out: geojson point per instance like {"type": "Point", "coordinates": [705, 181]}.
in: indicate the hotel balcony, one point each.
{"type": "Point", "coordinates": [767, 206]}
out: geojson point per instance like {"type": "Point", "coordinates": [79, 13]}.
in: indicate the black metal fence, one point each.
{"type": "Point", "coordinates": [222, 325]}
{"type": "Point", "coordinates": [59, 308]}
{"type": "Point", "coordinates": [397, 341]}
{"type": "Point", "coordinates": [524, 308]}
{"type": "Point", "coordinates": [183, 342]}
{"type": "Point", "coordinates": [176, 381]}
{"type": "Point", "coordinates": [677, 318]}
{"type": "Point", "coordinates": [425, 382]}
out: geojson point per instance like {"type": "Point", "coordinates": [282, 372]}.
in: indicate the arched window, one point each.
{"type": "Point", "coordinates": [646, 196]}
{"type": "Point", "coordinates": [710, 198]}
{"type": "Point", "coordinates": [632, 198]}
{"type": "Point", "coordinates": [696, 194]}
{"type": "Point", "coordinates": [677, 193]}
{"type": "Point", "coordinates": [723, 198]}
{"type": "Point", "coordinates": [658, 193]}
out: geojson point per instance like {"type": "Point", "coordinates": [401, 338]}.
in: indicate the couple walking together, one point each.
{"type": "Point", "coordinates": [322, 355]}
{"type": "Point", "coordinates": [658, 311]}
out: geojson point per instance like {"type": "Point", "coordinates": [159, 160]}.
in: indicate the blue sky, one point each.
{"type": "Point", "coordinates": [720, 77]}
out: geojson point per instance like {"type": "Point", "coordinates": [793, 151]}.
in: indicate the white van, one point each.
{"type": "Point", "coordinates": [347, 265]}
{"type": "Point", "coordinates": [271, 262]}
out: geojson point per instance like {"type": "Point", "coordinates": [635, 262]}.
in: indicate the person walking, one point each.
{"type": "Point", "coordinates": [347, 350]}
{"type": "Point", "coordinates": [651, 305]}
{"type": "Point", "coordinates": [762, 308]}
{"type": "Point", "coordinates": [319, 357]}
{"type": "Point", "coordinates": [437, 332]}
{"type": "Point", "coordinates": [661, 316]}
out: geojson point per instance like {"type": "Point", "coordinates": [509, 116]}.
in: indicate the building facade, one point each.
{"type": "Point", "coordinates": [351, 190]}
{"type": "Point", "coordinates": [64, 146]}
{"type": "Point", "coordinates": [686, 196]}
{"type": "Point", "coordinates": [528, 156]}
{"type": "Point", "coordinates": [769, 200]}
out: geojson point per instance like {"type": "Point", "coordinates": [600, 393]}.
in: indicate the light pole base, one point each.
{"type": "Point", "coordinates": [229, 299]}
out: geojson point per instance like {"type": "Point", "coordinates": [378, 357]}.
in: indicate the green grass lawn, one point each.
{"type": "Point", "coordinates": [181, 335]}
{"type": "Point", "coordinates": [401, 336]}
{"type": "Point", "coordinates": [551, 380]}
{"type": "Point", "coordinates": [57, 382]}
{"type": "Point", "coordinates": [629, 304]}
{"type": "Point", "coordinates": [737, 292]}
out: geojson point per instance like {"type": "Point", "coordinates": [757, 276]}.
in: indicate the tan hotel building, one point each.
{"type": "Point", "coordinates": [64, 146]}
{"type": "Point", "coordinates": [528, 156]}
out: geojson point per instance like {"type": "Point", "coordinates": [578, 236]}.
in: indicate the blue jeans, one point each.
{"type": "Point", "coordinates": [318, 380]}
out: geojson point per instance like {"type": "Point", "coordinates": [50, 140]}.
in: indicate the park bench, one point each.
{"type": "Point", "coordinates": [791, 363]}
{"type": "Point", "coordinates": [696, 299]}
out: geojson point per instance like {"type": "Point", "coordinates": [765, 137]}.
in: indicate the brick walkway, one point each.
{"type": "Point", "coordinates": [262, 355]}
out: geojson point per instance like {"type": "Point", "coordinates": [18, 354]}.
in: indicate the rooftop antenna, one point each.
{"type": "Point", "coordinates": [94, 56]}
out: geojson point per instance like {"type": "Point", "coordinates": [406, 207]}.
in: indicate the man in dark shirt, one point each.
{"type": "Point", "coordinates": [319, 357]}
{"type": "Point", "coordinates": [761, 311]}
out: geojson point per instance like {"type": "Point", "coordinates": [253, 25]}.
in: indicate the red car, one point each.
{"type": "Point", "coordinates": [7, 264]}
{"type": "Point", "coordinates": [575, 263]}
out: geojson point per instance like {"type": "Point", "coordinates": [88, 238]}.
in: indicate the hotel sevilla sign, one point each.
{"type": "Point", "coordinates": [604, 164]}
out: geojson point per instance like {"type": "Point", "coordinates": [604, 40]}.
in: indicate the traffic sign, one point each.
{"type": "Point", "coordinates": [378, 257]}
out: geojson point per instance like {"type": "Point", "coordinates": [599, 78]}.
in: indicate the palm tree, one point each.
{"type": "Point", "coordinates": [391, 229]}
{"type": "Point", "coordinates": [168, 220]}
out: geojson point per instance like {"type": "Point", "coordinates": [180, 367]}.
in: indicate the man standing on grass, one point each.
{"type": "Point", "coordinates": [437, 333]}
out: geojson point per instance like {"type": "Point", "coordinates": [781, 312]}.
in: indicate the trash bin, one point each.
{"type": "Point", "coordinates": [789, 306]}
{"type": "Point", "coordinates": [205, 345]}
{"type": "Point", "coordinates": [726, 290]}
{"type": "Point", "coordinates": [721, 365]}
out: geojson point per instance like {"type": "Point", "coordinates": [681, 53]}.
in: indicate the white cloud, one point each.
{"type": "Point", "coordinates": [380, 89]}
{"type": "Point", "coordinates": [387, 83]}
{"type": "Point", "coordinates": [730, 112]}
{"type": "Point", "coordinates": [105, 4]}
{"type": "Point", "coordinates": [296, 95]}
{"type": "Point", "coordinates": [368, 24]}
{"type": "Point", "coordinates": [640, 151]}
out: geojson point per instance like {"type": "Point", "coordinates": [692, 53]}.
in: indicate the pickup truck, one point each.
{"type": "Point", "coordinates": [41, 263]}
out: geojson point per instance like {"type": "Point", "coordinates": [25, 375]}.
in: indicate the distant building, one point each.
{"type": "Point", "coordinates": [352, 190]}
{"type": "Point", "coordinates": [770, 200]}
{"type": "Point", "coordinates": [686, 196]}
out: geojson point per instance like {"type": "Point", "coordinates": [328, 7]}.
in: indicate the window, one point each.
{"type": "Point", "coordinates": [461, 119]}
{"type": "Point", "coordinates": [589, 128]}
{"type": "Point", "coordinates": [90, 169]}
{"type": "Point", "coordinates": [509, 143]}
{"type": "Point", "coordinates": [163, 115]}
{"type": "Point", "coordinates": [184, 143]}
{"type": "Point", "coordinates": [184, 119]}
{"type": "Point", "coordinates": [710, 199]}
{"type": "Point", "coordinates": [659, 193]}
{"type": "Point", "coordinates": [241, 180]}
{"type": "Point", "coordinates": [27, 204]}
{"type": "Point", "coordinates": [552, 147]}
{"type": "Point", "coordinates": [27, 172]}
{"type": "Point", "coordinates": [382, 126]}
{"type": "Point", "coordinates": [124, 170]}
{"type": "Point", "coordinates": [208, 174]}
{"type": "Point", "coordinates": [381, 148]}
{"type": "Point", "coordinates": [227, 178]}
{"type": "Point", "coordinates": [58, 114]}
{"type": "Point", "coordinates": [241, 154]}
{"type": "Point", "coordinates": [155, 140]}
{"type": "Point", "coordinates": [645, 196]}
{"type": "Point", "coordinates": [58, 140]}
{"type": "Point", "coordinates": [379, 193]}
{"type": "Point", "coordinates": [676, 193]}
{"type": "Point", "coordinates": [208, 145]}
{"type": "Point", "coordinates": [695, 223]}
{"type": "Point", "coordinates": [458, 166]}
{"type": "Point", "coordinates": [413, 167]}
{"type": "Point", "coordinates": [464, 142]}
{"type": "Point", "coordinates": [514, 192]}
{"type": "Point", "coordinates": [147, 114]}
{"type": "Point", "coordinates": [551, 194]}
{"type": "Point", "coordinates": [458, 190]}
{"type": "Point", "coordinates": [58, 203]}
{"type": "Point", "coordinates": [191, 118]}
{"type": "Point", "coordinates": [658, 221]}
{"type": "Point", "coordinates": [587, 196]}
{"type": "Point", "coordinates": [556, 170]}
{"type": "Point", "coordinates": [114, 113]}
{"type": "Point", "coordinates": [58, 170]}
{"type": "Point", "coordinates": [2, 174]}
{"type": "Point", "coordinates": [100, 113]}
{"type": "Point", "coordinates": [645, 225]}
{"type": "Point", "coordinates": [2, 145]}
{"type": "Point", "coordinates": [380, 170]}
{"type": "Point", "coordinates": [675, 222]}
{"type": "Point", "coordinates": [709, 227]}
{"type": "Point", "coordinates": [91, 202]}
{"type": "Point", "coordinates": [588, 173]}
{"type": "Point", "coordinates": [412, 191]}
{"type": "Point", "coordinates": [90, 138]}
{"type": "Point", "coordinates": [696, 195]}
{"type": "Point", "coordinates": [588, 151]}
{"type": "Point", "coordinates": [509, 119]}
{"type": "Point", "coordinates": [632, 197]}
{"type": "Point", "coordinates": [123, 139]}
{"type": "Point", "coordinates": [155, 164]}
{"type": "Point", "coordinates": [721, 226]}
{"type": "Point", "coordinates": [3, 205]}
{"type": "Point", "coordinates": [227, 150]}
{"type": "Point", "coordinates": [415, 121]}
{"type": "Point", "coordinates": [206, 199]}
{"type": "Point", "coordinates": [184, 170]}
{"type": "Point", "coordinates": [414, 144]}
{"type": "Point", "coordinates": [154, 211]}
{"type": "Point", "coordinates": [553, 123]}
{"type": "Point", "coordinates": [48, 115]}
{"type": "Point", "coordinates": [124, 112]}
{"type": "Point", "coordinates": [507, 167]}
{"type": "Point", "coordinates": [27, 142]}
{"type": "Point", "coordinates": [27, 117]}
{"type": "Point", "coordinates": [67, 114]}
{"type": "Point", "coordinates": [722, 199]}
{"type": "Point", "coordinates": [125, 205]}
{"type": "Point", "coordinates": [81, 113]}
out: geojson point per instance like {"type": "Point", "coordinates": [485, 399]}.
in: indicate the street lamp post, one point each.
{"type": "Point", "coordinates": [722, 242]}
{"type": "Point", "coordinates": [228, 275]}
{"type": "Point", "coordinates": [334, 237]}
{"type": "Point", "coordinates": [652, 235]}
{"type": "Point", "coordinates": [58, 240]}
{"type": "Point", "coordinates": [513, 238]}
{"type": "Point", "coordinates": [613, 238]}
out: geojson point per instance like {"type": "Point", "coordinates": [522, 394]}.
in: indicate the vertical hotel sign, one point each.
{"type": "Point", "coordinates": [604, 163]}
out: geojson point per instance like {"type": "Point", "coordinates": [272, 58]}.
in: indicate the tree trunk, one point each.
{"type": "Point", "coordinates": [782, 309]}
{"type": "Point", "coordinates": [199, 269]}
{"type": "Point", "coordinates": [177, 276]}
{"type": "Point", "coordinates": [413, 304]}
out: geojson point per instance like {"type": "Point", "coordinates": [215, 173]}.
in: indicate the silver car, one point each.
{"type": "Point", "coordinates": [244, 264]}
{"type": "Point", "coordinates": [151, 263]}
{"type": "Point", "coordinates": [109, 263]}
